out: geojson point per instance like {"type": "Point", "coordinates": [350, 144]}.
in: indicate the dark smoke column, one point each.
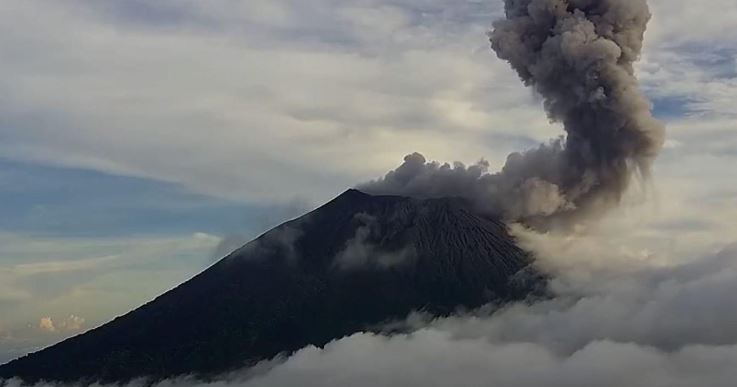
{"type": "Point", "coordinates": [578, 55]}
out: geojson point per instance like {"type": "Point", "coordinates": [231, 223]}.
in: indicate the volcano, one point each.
{"type": "Point", "coordinates": [352, 265]}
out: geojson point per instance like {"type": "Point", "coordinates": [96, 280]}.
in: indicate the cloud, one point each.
{"type": "Point", "coordinates": [671, 16]}
{"type": "Point", "coordinates": [22, 282]}
{"type": "Point", "coordinates": [57, 267]}
{"type": "Point", "coordinates": [269, 217]}
{"type": "Point", "coordinates": [363, 249]}
{"type": "Point", "coordinates": [71, 323]}
{"type": "Point", "coordinates": [668, 308]}
{"type": "Point", "coordinates": [643, 326]}
{"type": "Point", "coordinates": [379, 97]}
{"type": "Point", "coordinates": [322, 112]}
{"type": "Point", "coordinates": [309, 98]}
{"type": "Point", "coordinates": [629, 311]}
{"type": "Point", "coordinates": [432, 358]}
{"type": "Point", "coordinates": [47, 324]}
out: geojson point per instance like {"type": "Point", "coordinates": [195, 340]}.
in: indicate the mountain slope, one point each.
{"type": "Point", "coordinates": [356, 262]}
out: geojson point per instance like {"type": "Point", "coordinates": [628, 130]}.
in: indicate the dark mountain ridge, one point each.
{"type": "Point", "coordinates": [354, 263]}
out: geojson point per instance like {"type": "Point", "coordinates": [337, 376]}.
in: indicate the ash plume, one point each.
{"type": "Point", "coordinates": [578, 55]}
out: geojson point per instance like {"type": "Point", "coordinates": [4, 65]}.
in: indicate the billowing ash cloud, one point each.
{"type": "Point", "coordinates": [578, 55]}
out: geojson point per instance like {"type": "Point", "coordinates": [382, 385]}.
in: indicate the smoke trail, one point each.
{"type": "Point", "coordinates": [578, 55]}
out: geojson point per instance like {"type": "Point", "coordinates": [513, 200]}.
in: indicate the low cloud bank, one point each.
{"type": "Point", "coordinates": [624, 320]}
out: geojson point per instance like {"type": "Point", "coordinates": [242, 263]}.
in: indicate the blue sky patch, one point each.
{"type": "Point", "coordinates": [43, 200]}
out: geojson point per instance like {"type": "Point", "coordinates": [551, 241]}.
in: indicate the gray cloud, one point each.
{"type": "Point", "coordinates": [578, 55]}
{"type": "Point", "coordinates": [278, 242]}
{"type": "Point", "coordinates": [397, 90]}
{"type": "Point", "coordinates": [362, 250]}
{"type": "Point", "coordinates": [271, 217]}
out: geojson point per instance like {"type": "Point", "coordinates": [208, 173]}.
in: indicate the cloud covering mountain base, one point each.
{"type": "Point", "coordinates": [619, 322]}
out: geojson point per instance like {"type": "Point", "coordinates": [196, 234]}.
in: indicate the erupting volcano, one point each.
{"type": "Point", "coordinates": [426, 237]}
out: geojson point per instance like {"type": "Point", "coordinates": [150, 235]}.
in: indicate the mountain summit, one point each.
{"type": "Point", "coordinates": [351, 265]}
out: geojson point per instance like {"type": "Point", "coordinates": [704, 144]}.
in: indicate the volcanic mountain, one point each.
{"type": "Point", "coordinates": [353, 264]}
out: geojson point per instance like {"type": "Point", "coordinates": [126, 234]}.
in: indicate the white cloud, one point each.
{"type": "Point", "coordinates": [73, 323]}
{"type": "Point", "coordinates": [682, 22]}
{"type": "Point", "coordinates": [70, 324]}
{"type": "Point", "coordinates": [433, 358]}
{"type": "Point", "coordinates": [257, 100]}
{"type": "Point", "coordinates": [671, 325]}
{"type": "Point", "coordinates": [47, 324]}
{"type": "Point", "coordinates": [254, 114]}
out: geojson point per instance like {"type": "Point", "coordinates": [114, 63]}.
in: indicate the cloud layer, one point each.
{"type": "Point", "coordinates": [264, 100]}
{"type": "Point", "coordinates": [622, 322]}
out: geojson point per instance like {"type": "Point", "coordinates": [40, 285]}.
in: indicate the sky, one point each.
{"type": "Point", "coordinates": [140, 141]}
